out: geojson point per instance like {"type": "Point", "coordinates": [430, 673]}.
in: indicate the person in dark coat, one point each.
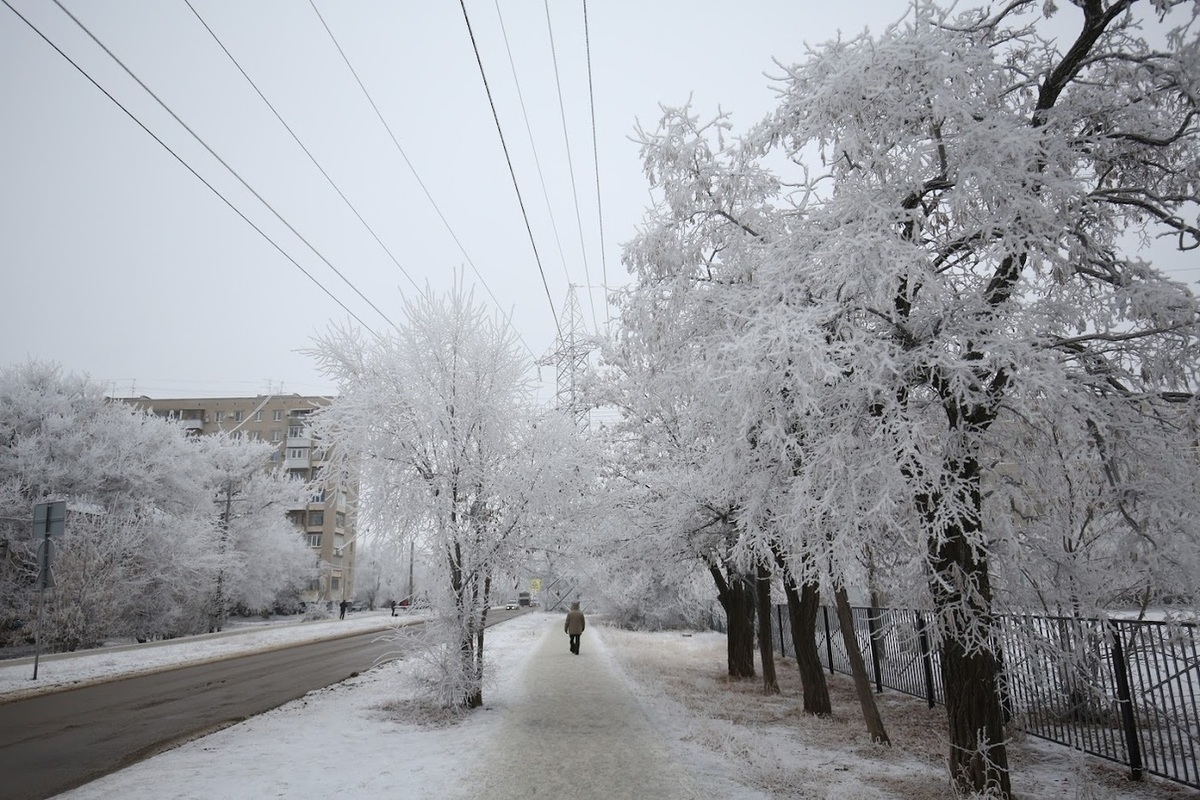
{"type": "Point", "coordinates": [342, 605]}
{"type": "Point", "coordinates": [574, 626]}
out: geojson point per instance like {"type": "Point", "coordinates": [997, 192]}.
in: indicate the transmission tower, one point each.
{"type": "Point", "coordinates": [569, 358]}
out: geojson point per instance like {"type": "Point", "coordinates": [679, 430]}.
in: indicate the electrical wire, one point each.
{"type": "Point", "coordinates": [587, 40]}
{"type": "Point", "coordinates": [511, 171]}
{"type": "Point", "coordinates": [529, 130]}
{"type": "Point", "coordinates": [416, 175]}
{"type": "Point", "coordinates": [213, 153]}
{"type": "Point", "coordinates": [188, 167]}
{"type": "Point", "coordinates": [570, 165]}
{"type": "Point", "coordinates": [311, 157]}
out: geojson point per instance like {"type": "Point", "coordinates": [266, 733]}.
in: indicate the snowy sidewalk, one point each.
{"type": "Point", "coordinates": [574, 730]}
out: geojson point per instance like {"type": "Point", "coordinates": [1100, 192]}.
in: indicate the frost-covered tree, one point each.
{"type": "Point", "coordinates": [263, 557]}
{"type": "Point", "coordinates": [438, 422]}
{"type": "Point", "coordinates": [136, 554]}
{"type": "Point", "coordinates": [673, 364]}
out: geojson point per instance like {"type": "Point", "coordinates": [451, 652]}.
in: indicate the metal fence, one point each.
{"type": "Point", "coordinates": [1127, 691]}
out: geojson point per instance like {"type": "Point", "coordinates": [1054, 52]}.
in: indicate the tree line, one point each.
{"type": "Point", "coordinates": [904, 334]}
{"type": "Point", "coordinates": [165, 533]}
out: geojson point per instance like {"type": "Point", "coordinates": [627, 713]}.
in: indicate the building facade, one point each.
{"type": "Point", "coordinates": [324, 513]}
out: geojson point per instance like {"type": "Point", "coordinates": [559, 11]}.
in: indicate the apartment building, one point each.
{"type": "Point", "coordinates": [323, 515]}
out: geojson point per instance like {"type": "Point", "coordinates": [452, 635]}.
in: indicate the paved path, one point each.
{"type": "Point", "coordinates": [575, 731]}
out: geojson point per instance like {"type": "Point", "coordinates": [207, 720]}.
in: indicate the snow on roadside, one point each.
{"type": "Point", "coordinates": [90, 666]}
{"type": "Point", "coordinates": [362, 737]}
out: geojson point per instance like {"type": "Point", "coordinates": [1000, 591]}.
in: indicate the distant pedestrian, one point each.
{"type": "Point", "coordinates": [393, 608]}
{"type": "Point", "coordinates": [574, 625]}
{"type": "Point", "coordinates": [342, 605]}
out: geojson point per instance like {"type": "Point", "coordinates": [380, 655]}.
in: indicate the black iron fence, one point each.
{"type": "Point", "coordinates": [1127, 691]}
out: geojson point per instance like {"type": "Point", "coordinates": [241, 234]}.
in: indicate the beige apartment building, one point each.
{"type": "Point", "coordinates": [325, 515]}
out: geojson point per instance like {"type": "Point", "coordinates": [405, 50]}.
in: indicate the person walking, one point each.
{"type": "Point", "coordinates": [574, 626]}
{"type": "Point", "coordinates": [342, 606]}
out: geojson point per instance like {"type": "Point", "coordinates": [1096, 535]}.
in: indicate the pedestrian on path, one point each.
{"type": "Point", "coordinates": [342, 606]}
{"type": "Point", "coordinates": [574, 626]}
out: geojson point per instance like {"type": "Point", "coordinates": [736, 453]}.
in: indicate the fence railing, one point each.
{"type": "Point", "coordinates": [1124, 690]}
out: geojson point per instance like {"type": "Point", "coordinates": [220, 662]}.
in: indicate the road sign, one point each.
{"type": "Point", "coordinates": [49, 519]}
{"type": "Point", "coordinates": [535, 584]}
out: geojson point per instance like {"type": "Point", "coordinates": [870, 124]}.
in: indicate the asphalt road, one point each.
{"type": "Point", "coordinates": [53, 742]}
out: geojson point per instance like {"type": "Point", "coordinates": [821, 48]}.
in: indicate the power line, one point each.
{"type": "Point", "coordinates": [529, 130]}
{"type": "Point", "coordinates": [187, 166]}
{"type": "Point", "coordinates": [311, 157]}
{"type": "Point", "coordinates": [587, 39]}
{"type": "Point", "coordinates": [213, 153]}
{"type": "Point", "coordinates": [416, 175]}
{"type": "Point", "coordinates": [570, 164]}
{"type": "Point", "coordinates": [511, 172]}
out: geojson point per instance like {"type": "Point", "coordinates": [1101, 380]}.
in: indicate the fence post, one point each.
{"type": "Point", "coordinates": [926, 659]}
{"type": "Point", "coordinates": [1125, 701]}
{"type": "Point", "coordinates": [828, 641]}
{"type": "Point", "coordinates": [779, 617]}
{"type": "Point", "coordinates": [873, 632]}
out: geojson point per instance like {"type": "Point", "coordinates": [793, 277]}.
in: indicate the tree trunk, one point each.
{"type": "Point", "coordinates": [962, 596]}
{"type": "Point", "coordinates": [802, 613]}
{"type": "Point", "coordinates": [858, 669]}
{"type": "Point", "coordinates": [736, 596]}
{"type": "Point", "coordinates": [766, 638]}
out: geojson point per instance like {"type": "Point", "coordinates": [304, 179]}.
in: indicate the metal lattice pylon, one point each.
{"type": "Point", "coordinates": [569, 358]}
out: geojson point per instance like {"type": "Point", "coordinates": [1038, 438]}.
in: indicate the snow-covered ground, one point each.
{"type": "Point", "coordinates": [370, 737]}
{"type": "Point", "coordinates": [240, 637]}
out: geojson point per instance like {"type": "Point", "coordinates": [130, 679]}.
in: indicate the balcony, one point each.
{"type": "Point", "coordinates": [191, 424]}
{"type": "Point", "coordinates": [296, 463]}
{"type": "Point", "coordinates": [303, 440]}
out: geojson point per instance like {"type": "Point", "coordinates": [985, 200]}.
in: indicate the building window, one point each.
{"type": "Point", "coordinates": [335, 583]}
{"type": "Point", "coordinates": [314, 540]}
{"type": "Point", "coordinates": [277, 414]}
{"type": "Point", "coordinates": [220, 415]}
{"type": "Point", "coordinates": [295, 431]}
{"type": "Point", "coordinates": [340, 520]}
{"type": "Point", "coordinates": [275, 456]}
{"type": "Point", "coordinates": [276, 436]}
{"type": "Point", "coordinates": [254, 436]}
{"type": "Point", "coordinates": [258, 416]}
{"type": "Point", "coordinates": [237, 416]}
{"type": "Point", "coordinates": [297, 453]}
{"type": "Point", "coordinates": [316, 518]}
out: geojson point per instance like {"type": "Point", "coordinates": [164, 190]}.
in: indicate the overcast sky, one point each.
{"type": "Point", "coordinates": [120, 263]}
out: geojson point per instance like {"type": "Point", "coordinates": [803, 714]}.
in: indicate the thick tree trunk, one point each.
{"type": "Point", "coordinates": [803, 604]}
{"type": "Point", "coordinates": [736, 596]}
{"type": "Point", "coordinates": [962, 596]}
{"type": "Point", "coordinates": [858, 669]}
{"type": "Point", "coordinates": [970, 672]}
{"type": "Point", "coordinates": [802, 611]}
{"type": "Point", "coordinates": [766, 638]}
